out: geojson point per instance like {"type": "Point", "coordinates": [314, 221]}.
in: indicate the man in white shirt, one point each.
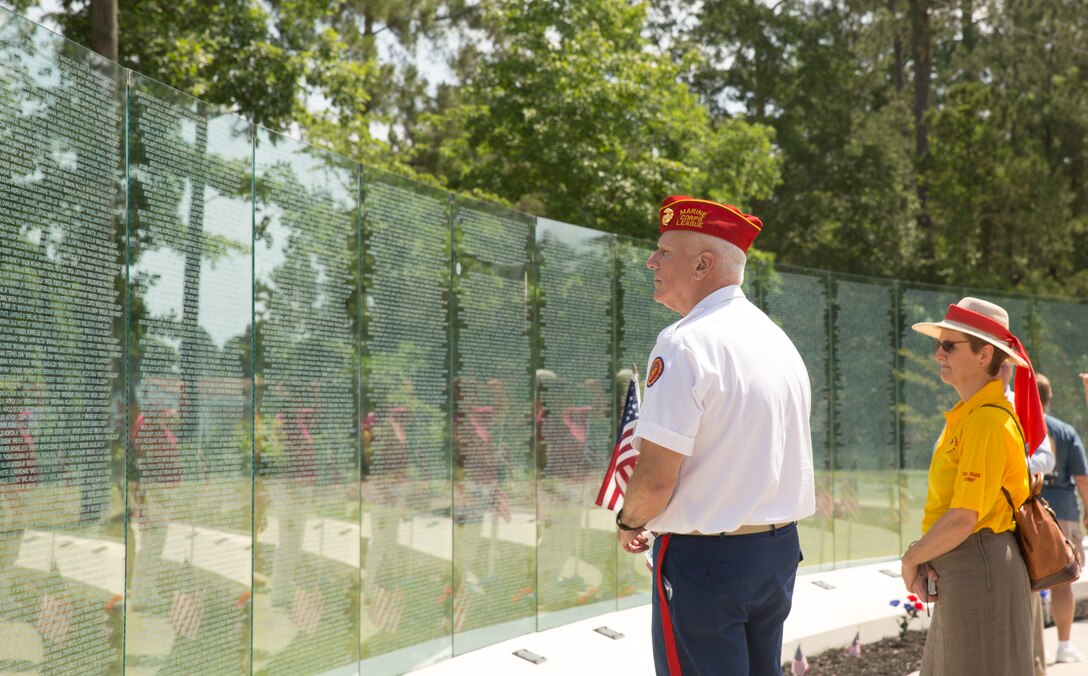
{"type": "Point", "coordinates": [725, 465]}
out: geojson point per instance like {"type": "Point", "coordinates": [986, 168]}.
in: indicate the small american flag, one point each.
{"type": "Point", "coordinates": [855, 646]}
{"type": "Point", "coordinates": [800, 663]}
{"type": "Point", "coordinates": [54, 618]}
{"type": "Point", "coordinates": [186, 614]}
{"type": "Point", "coordinates": [624, 455]}
{"type": "Point", "coordinates": [387, 608]}
{"type": "Point", "coordinates": [306, 609]}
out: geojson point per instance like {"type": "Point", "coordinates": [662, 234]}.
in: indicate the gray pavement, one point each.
{"type": "Point", "coordinates": [829, 607]}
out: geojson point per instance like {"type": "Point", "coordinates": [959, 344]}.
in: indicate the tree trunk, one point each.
{"type": "Point", "coordinates": [920, 44]}
{"type": "Point", "coordinates": [104, 28]}
{"type": "Point", "coordinates": [897, 49]}
{"type": "Point", "coordinates": [967, 25]}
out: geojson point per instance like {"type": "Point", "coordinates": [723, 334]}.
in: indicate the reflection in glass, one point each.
{"type": "Point", "coordinates": [145, 493]}
{"type": "Point", "coordinates": [61, 409]}
{"type": "Point", "coordinates": [799, 304]}
{"type": "Point", "coordinates": [638, 321]}
{"type": "Point", "coordinates": [866, 504]}
{"type": "Point", "coordinates": [494, 538]}
{"type": "Point", "coordinates": [306, 488]}
{"type": "Point", "coordinates": [190, 306]}
{"type": "Point", "coordinates": [925, 399]}
{"type": "Point", "coordinates": [1060, 351]}
{"type": "Point", "coordinates": [576, 552]}
{"type": "Point", "coordinates": [407, 528]}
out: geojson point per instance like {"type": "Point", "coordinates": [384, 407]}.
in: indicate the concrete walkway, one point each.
{"type": "Point", "coordinates": [829, 607]}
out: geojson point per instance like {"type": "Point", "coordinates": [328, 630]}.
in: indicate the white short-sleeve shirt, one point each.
{"type": "Point", "coordinates": [731, 393]}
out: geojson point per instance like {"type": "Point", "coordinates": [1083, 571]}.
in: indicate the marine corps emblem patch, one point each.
{"type": "Point", "coordinates": [656, 369]}
{"type": "Point", "coordinates": [666, 216]}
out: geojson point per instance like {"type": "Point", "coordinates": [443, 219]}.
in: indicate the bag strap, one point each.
{"type": "Point", "coordinates": [1021, 431]}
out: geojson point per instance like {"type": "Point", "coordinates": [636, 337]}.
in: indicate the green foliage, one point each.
{"type": "Point", "coordinates": [999, 195]}
{"type": "Point", "coordinates": [572, 116]}
{"type": "Point", "coordinates": [589, 111]}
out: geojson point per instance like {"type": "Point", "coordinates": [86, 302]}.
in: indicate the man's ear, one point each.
{"type": "Point", "coordinates": [704, 263]}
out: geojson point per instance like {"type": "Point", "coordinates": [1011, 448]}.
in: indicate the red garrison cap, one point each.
{"type": "Point", "coordinates": [680, 212]}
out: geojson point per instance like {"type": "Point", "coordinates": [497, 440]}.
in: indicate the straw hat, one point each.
{"type": "Point", "coordinates": [987, 309]}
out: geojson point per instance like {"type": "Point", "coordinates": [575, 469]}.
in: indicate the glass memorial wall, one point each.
{"type": "Point", "coordinates": [576, 383]}
{"type": "Point", "coordinates": [407, 602]}
{"type": "Point", "coordinates": [305, 501]}
{"type": "Point", "coordinates": [62, 483]}
{"type": "Point", "coordinates": [494, 496]}
{"type": "Point", "coordinates": [189, 379]}
{"type": "Point", "coordinates": [263, 410]}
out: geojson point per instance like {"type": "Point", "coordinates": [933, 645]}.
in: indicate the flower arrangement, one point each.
{"type": "Point", "coordinates": [911, 607]}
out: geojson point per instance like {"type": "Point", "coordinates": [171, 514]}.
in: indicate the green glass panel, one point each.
{"type": "Point", "coordinates": [1061, 352]}
{"type": "Point", "coordinates": [576, 567]}
{"type": "Point", "coordinates": [62, 412]}
{"type": "Point", "coordinates": [306, 492]}
{"type": "Point", "coordinates": [494, 508]}
{"type": "Point", "coordinates": [189, 387]}
{"type": "Point", "coordinates": [407, 527]}
{"type": "Point", "coordinates": [799, 304]}
{"type": "Point", "coordinates": [925, 400]}
{"type": "Point", "coordinates": [638, 321]}
{"type": "Point", "coordinates": [866, 487]}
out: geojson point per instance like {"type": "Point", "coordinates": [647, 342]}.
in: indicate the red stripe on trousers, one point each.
{"type": "Point", "coordinates": [666, 619]}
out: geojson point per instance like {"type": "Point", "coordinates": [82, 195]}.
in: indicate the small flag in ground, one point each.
{"type": "Point", "coordinates": [387, 608]}
{"type": "Point", "coordinates": [800, 663]}
{"type": "Point", "coordinates": [855, 646]}
{"type": "Point", "coordinates": [624, 455]}
{"type": "Point", "coordinates": [306, 609]}
{"type": "Point", "coordinates": [186, 614]}
{"type": "Point", "coordinates": [54, 618]}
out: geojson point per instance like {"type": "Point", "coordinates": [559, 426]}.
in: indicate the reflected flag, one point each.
{"type": "Point", "coordinates": [306, 609]}
{"type": "Point", "coordinates": [186, 614]}
{"type": "Point", "coordinates": [624, 455]}
{"type": "Point", "coordinates": [848, 506]}
{"type": "Point", "coordinates": [54, 618]}
{"type": "Point", "coordinates": [855, 646]}
{"type": "Point", "coordinates": [461, 603]}
{"type": "Point", "coordinates": [387, 608]}
{"type": "Point", "coordinates": [800, 663]}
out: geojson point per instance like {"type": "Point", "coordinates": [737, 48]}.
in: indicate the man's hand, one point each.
{"type": "Point", "coordinates": [633, 542]}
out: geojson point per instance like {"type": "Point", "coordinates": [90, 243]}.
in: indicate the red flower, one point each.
{"type": "Point", "coordinates": [243, 599]}
{"type": "Point", "coordinates": [113, 602]}
{"type": "Point", "coordinates": [912, 598]}
{"type": "Point", "coordinates": [918, 606]}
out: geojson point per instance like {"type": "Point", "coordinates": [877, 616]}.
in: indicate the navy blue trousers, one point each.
{"type": "Point", "coordinates": [729, 598]}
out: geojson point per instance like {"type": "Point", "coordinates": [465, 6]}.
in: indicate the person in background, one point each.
{"type": "Point", "coordinates": [725, 464]}
{"type": "Point", "coordinates": [982, 618]}
{"type": "Point", "coordinates": [1060, 488]}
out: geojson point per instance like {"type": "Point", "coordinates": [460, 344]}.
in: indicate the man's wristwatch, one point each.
{"type": "Point", "coordinates": [623, 526]}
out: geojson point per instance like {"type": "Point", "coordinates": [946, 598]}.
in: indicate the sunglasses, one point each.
{"type": "Point", "coordinates": [947, 345]}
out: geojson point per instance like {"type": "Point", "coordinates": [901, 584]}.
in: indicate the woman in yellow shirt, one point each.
{"type": "Point", "coordinates": [982, 620]}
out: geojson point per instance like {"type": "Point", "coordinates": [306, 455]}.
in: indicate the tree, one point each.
{"type": "Point", "coordinates": [572, 116]}
{"type": "Point", "coordinates": [817, 73]}
{"type": "Point", "coordinates": [264, 61]}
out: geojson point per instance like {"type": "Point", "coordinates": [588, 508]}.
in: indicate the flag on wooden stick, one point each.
{"type": "Point", "coordinates": [624, 454]}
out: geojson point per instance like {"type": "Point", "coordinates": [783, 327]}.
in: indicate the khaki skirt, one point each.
{"type": "Point", "coordinates": [982, 618]}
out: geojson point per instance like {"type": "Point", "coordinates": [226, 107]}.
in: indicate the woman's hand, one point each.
{"type": "Point", "coordinates": [912, 575]}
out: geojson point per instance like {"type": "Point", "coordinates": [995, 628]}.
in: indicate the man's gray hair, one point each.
{"type": "Point", "coordinates": [732, 258]}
